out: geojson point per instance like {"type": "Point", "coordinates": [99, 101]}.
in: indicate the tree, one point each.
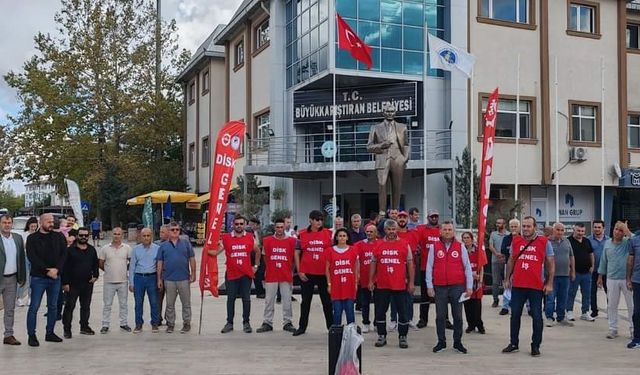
{"type": "Point", "coordinates": [9, 200]}
{"type": "Point", "coordinates": [256, 196]}
{"type": "Point", "coordinates": [89, 108]}
{"type": "Point", "coordinates": [462, 177]}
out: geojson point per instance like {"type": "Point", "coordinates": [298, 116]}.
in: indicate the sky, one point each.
{"type": "Point", "coordinates": [21, 20]}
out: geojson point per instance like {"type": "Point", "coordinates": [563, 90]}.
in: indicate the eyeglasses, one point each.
{"type": "Point", "coordinates": [317, 219]}
{"type": "Point", "coordinates": [434, 216]}
{"type": "Point", "coordinates": [175, 229]}
{"type": "Point", "coordinates": [238, 224]}
{"type": "Point", "coordinates": [83, 236]}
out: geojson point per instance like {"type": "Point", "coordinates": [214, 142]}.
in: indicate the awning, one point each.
{"type": "Point", "coordinates": [162, 196]}
{"type": "Point", "coordinates": [196, 203]}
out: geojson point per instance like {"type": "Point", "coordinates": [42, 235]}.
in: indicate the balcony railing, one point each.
{"type": "Point", "coordinates": [634, 5]}
{"type": "Point", "coordinates": [352, 147]}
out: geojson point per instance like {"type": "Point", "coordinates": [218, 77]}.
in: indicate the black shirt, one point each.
{"type": "Point", "coordinates": [581, 254]}
{"type": "Point", "coordinates": [46, 250]}
{"type": "Point", "coordinates": [81, 265]}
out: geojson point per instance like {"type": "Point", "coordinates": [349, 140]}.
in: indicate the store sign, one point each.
{"type": "Point", "coordinates": [576, 204]}
{"type": "Point", "coordinates": [355, 103]}
{"type": "Point", "coordinates": [630, 178]}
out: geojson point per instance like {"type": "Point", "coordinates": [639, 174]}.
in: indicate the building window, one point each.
{"type": "Point", "coordinates": [239, 54]}
{"type": "Point", "coordinates": [516, 11]}
{"type": "Point", "coordinates": [205, 82]}
{"type": "Point", "coordinates": [262, 35]}
{"type": "Point", "coordinates": [263, 121]}
{"type": "Point", "coordinates": [583, 18]}
{"type": "Point", "coordinates": [633, 122]}
{"type": "Point", "coordinates": [206, 152]}
{"type": "Point", "coordinates": [192, 156]}
{"type": "Point", "coordinates": [506, 122]}
{"type": "Point", "coordinates": [632, 36]}
{"type": "Point", "coordinates": [192, 92]}
{"type": "Point", "coordinates": [585, 124]}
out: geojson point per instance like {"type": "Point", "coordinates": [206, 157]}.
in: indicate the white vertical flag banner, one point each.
{"type": "Point", "coordinates": [447, 56]}
{"type": "Point", "coordinates": [74, 200]}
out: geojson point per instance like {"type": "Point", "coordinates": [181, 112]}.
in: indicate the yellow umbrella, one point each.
{"type": "Point", "coordinates": [162, 196]}
{"type": "Point", "coordinates": [197, 202]}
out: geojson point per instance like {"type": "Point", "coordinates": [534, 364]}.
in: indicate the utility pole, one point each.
{"type": "Point", "coordinates": [158, 48]}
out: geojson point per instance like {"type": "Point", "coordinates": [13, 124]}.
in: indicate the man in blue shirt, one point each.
{"type": "Point", "coordinates": [633, 283]}
{"type": "Point", "coordinates": [597, 239]}
{"type": "Point", "coordinates": [96, 228]}
{"type": "Point", "coordinates": [142, 279]}
{"type": "Point", "coordinates": [176, 270]}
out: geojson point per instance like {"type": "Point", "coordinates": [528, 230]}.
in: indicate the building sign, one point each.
{"type": "Point", "coordinates": [630, 178]}
{"type": "Point", "coordinates": [576, 205]}
{"type": "Point", "coordinates": [355, 103]}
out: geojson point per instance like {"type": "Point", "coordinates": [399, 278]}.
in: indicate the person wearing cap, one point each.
{"type": "Point", "coordinates": [428, 234]}
{"type": "Point", "coordinates": [365, 254]}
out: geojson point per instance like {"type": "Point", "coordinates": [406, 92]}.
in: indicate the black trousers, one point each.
{"type": "Point", "coordinates": [259, 277]}
{"type": "Point", "coordinates": [77, 291]}
{"type": "Point", "coordinates": [308, 286]}
{"type": "Point", "coordinates": [594, 291]}
{"type": "Point", "coordinates": [473, 312]}
{"type": "Point", "coordinates": [382, 298]}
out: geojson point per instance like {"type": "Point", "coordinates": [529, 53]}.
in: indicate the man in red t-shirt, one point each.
{"type": "Point", "coordinates": [365, 252]}
{"type": "Point", "coordinates": [531, 256]}
{"type": "Point", "coordinates": [279, 251]}
{"type": "Point", "coordinates": [238, 246]}
{"type": "Point", "coordinates": [411, 236]}
{"type": "Point", "coordinates": [311, 263]}
{"type": "Point", "coordinates": [391, 264]}
{"type": "Point", "coordinates": [428, 235]}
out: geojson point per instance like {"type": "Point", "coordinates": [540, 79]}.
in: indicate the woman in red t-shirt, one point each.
{"type": "Point", "coordinates": [342, 274]}
{"type": "Point", "coordinates": [473, 306]}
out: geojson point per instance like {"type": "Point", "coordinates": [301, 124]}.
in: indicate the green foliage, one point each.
{"type": "Point", "coordinates": [10, 201]}
{"type": "Point", "coordinates": [89, 109]}
{"type": "Point", "coordinates": [256, 196]}
{"type": "Point", "coordinates": [280, 213]}
{"type": "Point", "coordinates": [462, 177]}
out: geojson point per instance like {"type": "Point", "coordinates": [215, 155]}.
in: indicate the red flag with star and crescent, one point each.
{"type": "Point", "coordinates": [349, 41]}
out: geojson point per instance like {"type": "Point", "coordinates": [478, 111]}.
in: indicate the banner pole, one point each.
{"type": "Point", "coordinates": [201, 304]}
{"type": "Point", "coordinates": [517, 128]}
{"type": "Point", "coordinates": [425, 103]}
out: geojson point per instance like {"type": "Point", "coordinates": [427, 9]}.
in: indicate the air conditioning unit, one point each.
{"type": "Point", "coordinates": [578, 154]}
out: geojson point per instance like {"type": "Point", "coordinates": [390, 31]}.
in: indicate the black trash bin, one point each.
{"type": "Point", "coordinates": [335, 343]}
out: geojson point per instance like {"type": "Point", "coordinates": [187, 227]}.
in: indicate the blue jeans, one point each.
{"type": "Point", "coordinates": [636, 312]}
{"type": "Point", "coordinates": [141, 285]}
{"type": "Point", "coordinates": [582, 280]}
{"type": "Point", "coordinates": [408, 309]}
{"type": "Point", "coordinates": [40, 285]}
{"type": "Point", "coordinates": [341, 305]}
{"type": "Point", "coordinates": [518, 298]}
{"type": "Point", "coordinates": [557, 300]}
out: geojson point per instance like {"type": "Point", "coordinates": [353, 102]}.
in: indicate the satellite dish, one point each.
{"type": "Point", "coordinates": [617, 170]}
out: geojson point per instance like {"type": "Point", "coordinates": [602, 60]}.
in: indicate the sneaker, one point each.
{"type": "Point", "coordinates": [299, 332]}
{"type": "Point", "coordinates": [104, 330]}
{"type": "Point", "coordinates": [565, 323]}
{"type": "Point", "coordinates": [612, 334]}
{"type": "Point", "coordinates": [458, 347]}
{"type": "Point", "coordinates": [366, 328]}
{"type": "Point", "coordinates": [52, 337]}
{"type": "Point", "coordinates": [246, 328]}
{"type": "Point", "coordinates": [227, 328]}
{"type": "Point", "coordinates": [186, 327]}
{"type": "Point", "coordinates": [67, 334]}
{"type": "Point", "coordinates": [469, 330]}
{"type": "Point", "coordinates": [33, 341]}
{"type": "Point", "coordinates": [481, 330]}
{"type": "Point", "coordinates": [535, 351]}
{"type": "Point", "coordinates": [594, 314]}
{"type": "Point", "coordinates": [440, 346]}
{"type": "Point", "coordinates": [403, 344]}
{"type": "Point", "coordinates": [448, 325]}
{"type": "Point", "coordinates": [413, 325]}
{"type": "Point", "coordinates": [382, 341]}
{"type": "Point", "coordinates": [550, 322]}
{"type": "Point", "coordinates": [392, 326]}
{"type": "Point", "coordinates": [138, 329]}
{"type": "Point", "coordinates": [169, 329]}
{"type": "Point", "coordinates": [421, 323]}
{"type": "Point", "coordinates": [87, 331]}
{"type": "Point", "coordinates": [587, 317]}
{"type": "Point", "coordinates": [495, 304]}
{"type": "Point", "coordinates": [155, 329]}
{"type": "Point", "coordinates": [264, 328]}
{"type": "Point", "coordinates": [289, 328]}
{"type": "Point", "coordinates": [570, 316]}
{"type": "Point", "coordinates": [633, 344]}
{"type": "Point", "coordinates": [511, 349]}
{"type": "Point", "coordinates": [504, 311]}
{"type": "Point", "coordinates": [125, 328]}
{"type": "Point", "coordinates": [261, 296]}
{"type": "Point", "coordinates": [20, 303]}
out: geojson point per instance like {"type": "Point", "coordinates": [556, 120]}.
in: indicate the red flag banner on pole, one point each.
{"type": "Point", "coordinates": [349, 41]}
{"type": "Point", "coordinates": [227, 150]}
{"type": "Point", "coordinates": [489, 134]}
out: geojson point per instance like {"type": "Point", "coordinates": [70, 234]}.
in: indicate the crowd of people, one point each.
{"type": "Point", "coordinates": [382, 261]}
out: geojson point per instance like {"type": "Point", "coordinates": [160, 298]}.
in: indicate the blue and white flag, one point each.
{"type": "Point", "coordinates": [447, 57]}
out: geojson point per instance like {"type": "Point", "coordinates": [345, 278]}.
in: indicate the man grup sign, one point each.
{"type": "Point", "coordinates": [355, 103]}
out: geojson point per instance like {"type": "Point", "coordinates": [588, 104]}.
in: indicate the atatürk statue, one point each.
{"type": "Point", "coordinates": [388, 140]}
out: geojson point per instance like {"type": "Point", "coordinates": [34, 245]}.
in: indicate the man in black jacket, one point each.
{"type": "Point", "coordinates": [80, 273]}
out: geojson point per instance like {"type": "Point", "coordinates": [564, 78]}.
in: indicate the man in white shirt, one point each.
{"type": "Point", "coordinates": [114, 259]}
{"type": "Point", "coordinates": [12, 263]}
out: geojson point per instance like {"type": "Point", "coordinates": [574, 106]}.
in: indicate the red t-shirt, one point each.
{"type": "Point", "coordinates": [391, 264]}
{"type": "Point", "coordinates": [427, 236]}
{"type": "Point", "coordinates": [365, 254]}
{"type": "Point", "coordinates": [278, 258]}
{"type": "Point", "coordinates": [411, 236]}
{"type": "Point", "coordinates": [238, 252]}
{"type": "Point", "coordinates": [342, 270]}
{"type": "Point", "coordinates": [313, 244]}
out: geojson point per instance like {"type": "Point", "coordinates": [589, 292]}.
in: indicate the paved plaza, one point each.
{"type": "Point", "coordinates": [565, 350]}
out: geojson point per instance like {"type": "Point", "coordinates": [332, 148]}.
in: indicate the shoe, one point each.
{"type": "Point", "coordinates": [633, 345]}
{"type": "Point", "coordinates": [261, 296]}
{"type": "Point", "coordinates": [10, 340]}
{"type": "Point", "coordinates": [421, 323]}
{"type": "Point", "coordinates": [299, 332]}
{"type": "Point", "coordinates": [440, 346]}
{"type": "Point", "coordinates": [87, 331]}
{"type": "Point", "coordinates": [612, 334]}
{"type": "Point", "coordinates": [392, 326]}
{"type": "Point", "coordinates": [52, 337]}
{"type": "Point", "coordinates": [246, 328]}
{"type": "Point", "coordinates": [481, 330]}
{"type": "Point", "coordinates": [587, 317]}
{"type": "Point", "coordinates": [227, 328]}
{"type": "Point", "coordinates": [511, 349]}
{"type": "Point", "coordinates": [265, 328]}
{"type": "Point", "coordinates": [570, 316]}
{"type": "Point", "coordinates": [20, 302]}
{"type": "Point", "coordinates": [594, 314]}
{"type": "Point", "coordinates": [104, 330]}
{"type": "Point", "coordinates": [186, 327]}
{"type": "Point", "coordinates": [67, 334]}
{"type": "Point", "coordinates": [382, 341]}
{"type": "Point", "coordinates": [535, 351]}
{"type": "Point", "coordinates": [458, 347]}
{"type": "Point", "coordinates": [469, 330]}
{"type": "Point", "coordinates": [125, 328]}
{"type": "Point", "coordinates": [33, 341]}
{"type": "Point", "coordinates": [366, 328]}
{"type": "Point", "coordinates": [448, 325]}
{"type": "Point", "coordinates": [155, 329]}
{"type": "Point", "coordinates": [289, 328]}
{"type": "Point", "coordinates": [413, 325]}
{"type": "Point", "coordinates": [138, 329]}
{"type": "Point", "coordinates": [504, 311]}
{"type": "Point", "coordinates": [403, 344]}
{"type": "Point", "coordinates": [169, 329]}
{"type": "Point", "coordinates": [565, 323]}
{"type": "Point", "coordinates": [494, 304]}
{"type": "Point", "coordinates": [550, 322]}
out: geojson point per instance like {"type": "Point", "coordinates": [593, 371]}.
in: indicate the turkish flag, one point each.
{"type": "Point", "coordinates": [348, 40]}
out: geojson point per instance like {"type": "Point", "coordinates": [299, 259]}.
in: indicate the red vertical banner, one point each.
{"type": "Point", "coordinates": [227, 150]}
{"type": "Point", "coordinates": [489, 134]}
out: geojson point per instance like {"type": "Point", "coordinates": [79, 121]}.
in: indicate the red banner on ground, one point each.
{"type": "Point", "coordinates": [489, 134]}
{"type": "Point", "coordinates": [224, 160]}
